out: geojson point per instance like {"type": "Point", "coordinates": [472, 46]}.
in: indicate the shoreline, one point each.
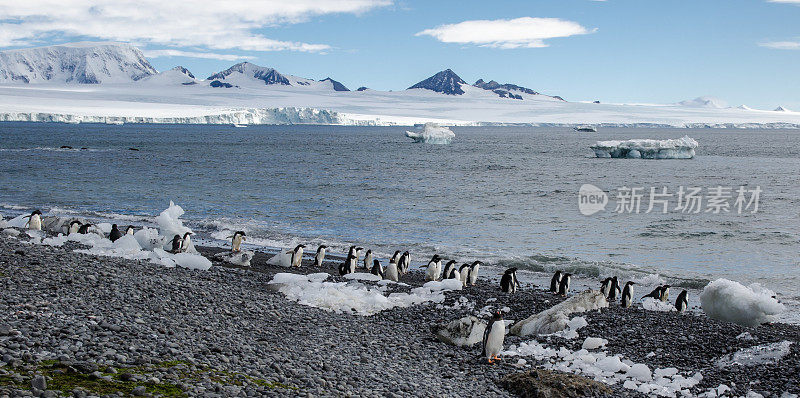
{"type": "Point", "coordinates": [228, 320]}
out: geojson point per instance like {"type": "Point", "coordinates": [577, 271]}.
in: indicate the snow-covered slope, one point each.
{"type": "Point", "coordinates": [174, 77]}
{"type": "Point", "coordinates": [81, 63]}
{"type": "Point", "coordinates": [445, 82]}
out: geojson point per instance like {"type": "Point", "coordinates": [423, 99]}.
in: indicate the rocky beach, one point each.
{"type": "Point", "coordinates": [80, 325]}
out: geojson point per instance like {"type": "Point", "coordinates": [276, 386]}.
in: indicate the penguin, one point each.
{"type": "Point", "coordinates": [605, 286]}
{"type": "Point", "coordinates": [344, 268]}
{"type": "Point", "coordinates": [493, 337]}
{"type": "Point", "coordinates": [368, 259]}
{"type": "Point", "coordinates": [656, 293]}
{"type": "Point", "coordinates": [176, 244]}
{"type": "Point", "coordinates": [297, 256]}
{"type": "Point", "coordinates": [434, 268]}
{"type": "Point", "coordinates": [509, 283]}
{"type": "Point", "coordinates": [376, 268]}
{"type": "Point", "coordinates": [237, 239]}
{"type": "Point", "coordinates": [115, 233]}
{"type": "Point", "coordinates": [352, 263]}
{"type": "Point", "coordinates": [451, 265]}
{"type": "Point", "coordinates": [320, 256]}
{"type": "Point", "coordinates": [454, 274]}
{"type": "Point", "coordinates": [186, 242]}
{"type": "Point", "coordinates": [664, 293]}
{"type": "Point", "coordinates": [391, 272]}
{"type": "Point", "coordinates": [129, 230]}
{"type": "Point", "coordinates": [358, 253]}
{"type": "Point", "coordinates": [473, 272]}
{"type": "Point", "coordinates": [554, 282]}
{"type": "Point", "coordinates": [613, 289]}
{"type": "Point", "coordinates": [404, 263]}
{"type": "Point", "coordinates": [395, 256]}
{"type": "Point", "coordinates": [74, 226]}
{"type": "Point", "coordinates": [563, 285]}
{"type": "Point", "coordinates": [627, 294]}
{"type": "Point", "coordinates": [463, 273]}
{"type": "Point", "coordinates": [84, 229]}
{"type": "Point", "coordinates": [682, 303]}
{"type": "Point", "coordinates": [34, 220]}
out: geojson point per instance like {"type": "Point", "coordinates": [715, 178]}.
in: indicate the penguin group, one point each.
{"type": "Point", "coordinates": [560, 282]}
{"type": "Point", "coordinates": [181, 244]}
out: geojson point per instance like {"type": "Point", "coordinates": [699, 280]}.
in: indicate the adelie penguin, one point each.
{"type": "Point", "coordinates": [345, 266]}
{"type": "Point", "coordinates": [404, 263]}
{"type": "Point", "coordinates": [682, 302]}
{"type": "Point", "coordinates": [664, 293]}
{"type": "Point", "coordinates": [391, 273]}
{"type": "Point", "coordinates": [297, 256]}
{"type": "Point", "coordinates": [129, 230]}
{"type": "Point", "coordinates": [605, 287]}
{"type": "Point", "coordinates": [352, 263]}
{"type": "Point", "coordinates": [115, 233]}
{"type": "Point", "coordinates": [376, 268]}
{"type": "Point", "coordinates": [473, 272]}
{"type": "Point", "coordinates": [614, 289]}
{"type": "Point", "coordinates": [555, 281]}
{"type": "Point", "coordinates": [434, 268]}
{"type": "Point", "coordinates": [627, 295]}
{"type": "Point", "coordinates": [236, 240]}
{"type": "Point", "coordinates": [655, 294]}
{"type": "Point", "coordinates": [320, 256]}
{"type": "Point", "coordinates": [463, 273]}
{"type": "Point", "coordinates": [563, 286]}
{"type": "Point", "coordinates": [34, 220]}
{"type": "Point", "coordinates": [493, 337]}
{"type": "Point", "coordinates": [509, 283]}
{"type": "Point", "coordinates": [186, 242]}
{"type": "Point", "coordinates": [448, 269]}
{"type": "Point", "coordinates": [74, 226]}
{"type": "Point", "coordinates": [84, 229]}
{"type": "Point", "coordinates": [368, 259]}
{"type": "Point", "coordinates": [176, 244]}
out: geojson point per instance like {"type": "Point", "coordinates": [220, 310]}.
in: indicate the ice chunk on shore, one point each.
{"type": "Point", "coordinates": [731, 301]}
{"type": "Point", "coordinates": [757, 355]}
{"type": "Point", "coordinates": [652, 304]}
{"type": "Point", "coordinates": [556, 318]}
{"type": "Point", "coordinates": [593, 343]}
{"type": "Point", "coordinates": [282, 259]}
{"type": "Point", "coordinates": [241, 258]}
{"type": "Point", "coordinates": [169, 221]}
{"type": "Point", "coordinates": [680, 148]}
{"type": "Point", "coordinates": [432, 133]}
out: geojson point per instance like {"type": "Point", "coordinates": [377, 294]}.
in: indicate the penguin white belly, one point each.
{"type": "Point", "coordinates": [368, 261]}
{"type": "Point", "coordinates": [236, 243]}
{"type": "Point", "coordinates": [297, 259]}
{"type": "Point", "coordinates": [320, 257]}
{"type": "Point", "coordinates": [473, 275]}
{"type": "Point", "coordinates": [464, 276]}
{"type": "Point", "coordinates": [391, 273]}
{"type": "Point", "coordinates": [187, 245]}
{"type": "Point", "coordinates": [35, 223]}
{"type": "Point", "coordinates": [431, 273]}
{"type": "Point", "coordinates": [494, 341]}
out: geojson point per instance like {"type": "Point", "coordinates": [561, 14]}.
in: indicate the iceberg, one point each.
{"type": "Point", "coordinates": [681, 148]}
{"type": "Point", "coordinates": [432, 133]}
{"type": "Point", "coordinates": [731, 301]}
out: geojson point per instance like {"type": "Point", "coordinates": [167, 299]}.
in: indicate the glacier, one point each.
{"type": "Point", "coordinates": [432, 134]}
{"type": "Point", "coordinates": [681, 148]}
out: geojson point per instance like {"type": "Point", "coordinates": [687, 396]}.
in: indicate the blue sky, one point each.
{"type": "Point", "coordinates": [743, 52]}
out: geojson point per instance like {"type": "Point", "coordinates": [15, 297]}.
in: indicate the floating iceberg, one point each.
{"type": "Point", "coordinates": [681, 148]}
{"type": "Point", "coordinates": [733, 302]}
{"type": "Point", "coordinates": [432, 133]}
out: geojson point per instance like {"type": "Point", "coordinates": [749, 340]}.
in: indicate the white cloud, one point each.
{"type": "Point", "coordinates": [781, 45]}
{"type": "Point", "coordinates": [193, 54]}
{"type": "Point", "coordinates": [523, 32]}
{"type": "Point", "coordinates": [229, 24]}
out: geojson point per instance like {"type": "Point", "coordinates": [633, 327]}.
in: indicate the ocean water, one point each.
{"type": "Point", "coordinates": [506, 195]}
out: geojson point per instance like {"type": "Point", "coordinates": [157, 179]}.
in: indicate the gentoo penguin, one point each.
{"type": "Point", "coordinates": [84, 229]}
{"type": "Point", "coordinates": [509, 283]}
{"type": "Point", "coordinates": [554, 282]}
{"type": "Point", "coordinates": [614, 290]}
{"type": "Point", "coordinates": [115, 233]}
{"type": "Point", "coordinates": [434, 268]}
{"type": "Point", "coordinates": [34, 220]}
{"type": "Point", "coordinates": [74, 226]}
{"type": "Point", "coordinates": [563, 285]}
{"type": "Point", "coordinates": [450, 266]}
{"type": "Point", "coordinates": [237, 239]}
{"type": "Point", "coordinates": [129, 230]}
{"type": "Point", "coordinates": [368, 259]}
{"type": "Point", "coordinates": [176, 244]}
{"type": "Point", "coordinates": [186, 242]}
{"type": "Point", "coordinates": [344, 268]}
{"type": "Point", "coordinates": [473, 272]}
{"type": "Point", "coordinates": [404, 263]}
{"type": "Point", "coordinates": [664, 293]}
{"type": "Point", "coordinates": [391, 272]}
{"type": "Point", "coordinates": [376, 268]}
{"type": "Point", "coordinates": [297, 256]}
{"type": "Point", "coordinates": [493, 337]}
{"type": "Point", "coordinates": [682, 303]}
{"type": "Point", "coordinates": [320, 256]}
{"type": "Point", "coordinates": [605, 287]}
{"type": "Point", "coordinates": [656, 293]}
{"type": "Point", "coordinates": [463, 273]}
{"type": "Point", "coordinates": [627, 294]}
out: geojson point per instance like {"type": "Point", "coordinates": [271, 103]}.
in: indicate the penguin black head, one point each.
{"type": "Point", "coordinates": [511, 270]}
{"type": "Point", "coordinates": [322, 247]}
{"type": "Point", "coordinates": [187, 234]}
{"type": "Point", "coordinates": [241, 233]}
{"type": "Point", "coordinates": [405, 253]}
{"type": "Point", "coordinates": [359, 248]}
{"type": "Point", "coordinates": [114, 226]}
{"type": "Point", "coordinates": [36, 212]}
{"type": "Point", "coordinates": [298, 247]}
{"type": "Point", "coordinates": [666, 286]}
{"type": "Point", "coordinates": [451, 262]}
{"type": "Point", "coordinates": [497, 316]}
{"type": "Point", "coordinates": [476, 262]}
{"type": "Point", "coordinates": [631, 283]}
{"type": "Point", "coordinates": [465, 265]}
{"type": "Point", "coordinates": [176, 238]}
{"type": "Point", "coordinates": [376, 262]}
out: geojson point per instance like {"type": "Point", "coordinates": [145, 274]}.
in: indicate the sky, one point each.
{"type": "Point", "coordinates": [621, 51]}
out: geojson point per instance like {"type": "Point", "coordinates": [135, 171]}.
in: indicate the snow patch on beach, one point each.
{"type": "Point", "coordinates": [681, 148]}
{"type": "Point", "coordinates": [353, 296]}
{"type": "Point", "coordinates": [731, 301]}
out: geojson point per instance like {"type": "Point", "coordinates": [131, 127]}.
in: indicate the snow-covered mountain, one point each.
{"type": "Point", "coordinates": [509, 90]}
{"type": "Point", "coordinates": [781, 109]}
{"type": "Point", "coordinates": [445, 82]}
{"type": "Point", "coordinates": [177, 76]}
{"type": "Point", "coordinates": [704, 102]}
{"type": "Point", "coordinates": [75, 63]}
{"type": "Point", "coordinates": [336, 85]}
